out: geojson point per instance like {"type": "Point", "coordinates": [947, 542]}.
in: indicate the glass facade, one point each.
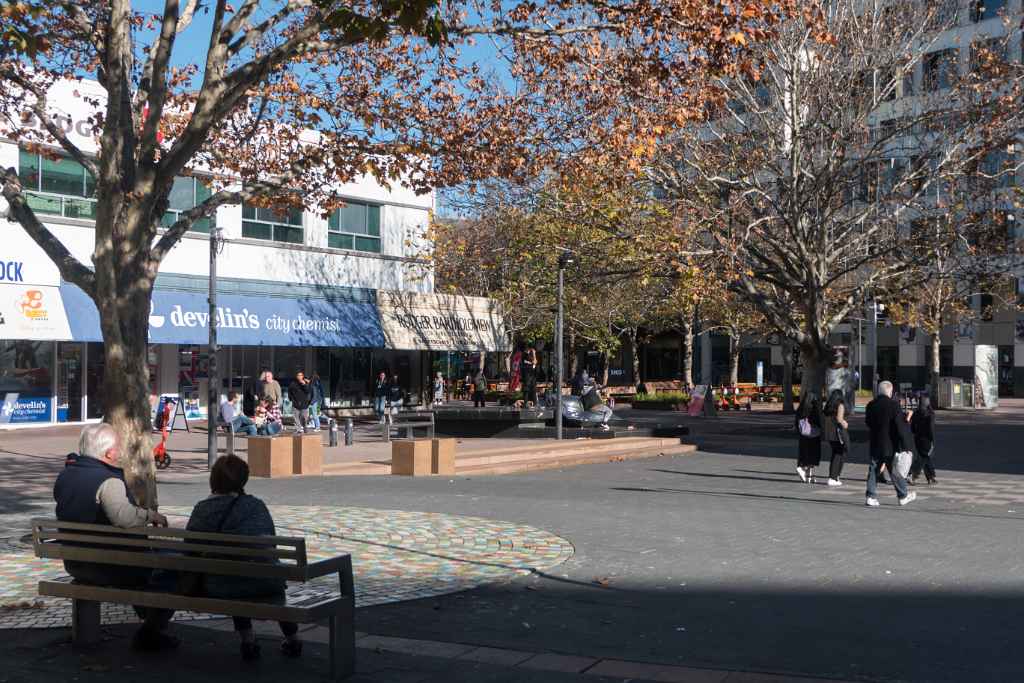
{"type": "Point", "coordinates": [26, 381]}
{"type": "Point", "coordinates": [59, 187]}
{"type": "Point", "coordinates": [187, 193]}
{"type": "Point", "coordinates": [355, 226]}
{"type": "Point", "coordinates": [274, 224]}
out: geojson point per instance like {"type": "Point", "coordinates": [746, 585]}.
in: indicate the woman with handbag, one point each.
{"type": "Point", "coordinates": [836, 433]}
{"type": "Point", "coordinates": [230, 510]}
{"type": "Point", "coordinates": [808, 425]}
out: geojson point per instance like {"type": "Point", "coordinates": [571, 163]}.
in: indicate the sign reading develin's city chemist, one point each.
{"type": "Point", "coordinates": [441, 322]}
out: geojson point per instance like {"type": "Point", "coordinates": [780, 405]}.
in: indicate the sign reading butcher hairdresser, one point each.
{"type": "Point", "coordinates": [441, 322]}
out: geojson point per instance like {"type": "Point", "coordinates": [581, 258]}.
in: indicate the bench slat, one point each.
{"type": "Point", "coordinates": [178, 546]}
{"type": "Point", "coordinates": [39, 525]}
{"type": "Point", "coordinates": [304, 612]}
{"type": "Point", "coordinates": [129, 558]}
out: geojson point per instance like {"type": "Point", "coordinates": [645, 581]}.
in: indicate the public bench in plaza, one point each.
{"type": "Point", "coordinates": [409, 422]}
{"type": "Point", "coordinates": [211, 553]}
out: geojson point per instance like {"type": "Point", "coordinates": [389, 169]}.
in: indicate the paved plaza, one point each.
{"type": "Point", "coordinates": [716, 567]}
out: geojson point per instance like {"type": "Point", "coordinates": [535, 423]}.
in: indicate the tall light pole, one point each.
{"type": "Point", "coordinates": [564, 259]}
{"type": "Point", "coordinates": [213, 377]}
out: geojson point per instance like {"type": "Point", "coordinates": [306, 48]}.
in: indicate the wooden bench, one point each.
{"type": "Point", "coordinates": [190, 551]}
{"type": "Point", "coordinates": [409, 422]}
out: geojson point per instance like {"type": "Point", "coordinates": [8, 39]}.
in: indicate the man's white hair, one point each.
{"type": "Point", "coordinates": [96, 440]}
{"type": "Point", "coordinates": [885, 388]}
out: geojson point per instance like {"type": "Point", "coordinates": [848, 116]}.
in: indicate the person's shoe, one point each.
{"type": "Point", "coordinates": [291, 648]}
{"type": "Point", "coordinates": [908, 499]}
{"type": "Point", "coordinates": [871, 502]}
{"type": "Point", "coordinates": [250, 651]}
{"type": "Point", "coordinates": [801, 473]}
{"type": "Point", "coordinates": [932, 480]}
{"type": "Point", "coordinates": [810, 476]}
{"type": "Point", "coordinates": [148, 640]}
{"type": "Point", "coordinates": [834, 482]}
{"type": "Point", "coordinates": [605, 428]}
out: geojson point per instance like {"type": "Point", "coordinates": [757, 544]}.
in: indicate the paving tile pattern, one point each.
{"type": "Point", "coordinates": [396, 555]}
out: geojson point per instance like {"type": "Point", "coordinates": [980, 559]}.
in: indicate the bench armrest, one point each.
{"type": "Point", "coordinates": [341, 564]}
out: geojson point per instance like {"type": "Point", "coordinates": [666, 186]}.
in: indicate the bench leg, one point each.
{"type": "Point", "coordinates": [85, 622]}
{"type": "Point", "coordinates": [343, 648]}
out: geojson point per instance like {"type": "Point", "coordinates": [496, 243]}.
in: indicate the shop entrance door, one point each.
{"type": "Point", "coordinates": [69, 382]}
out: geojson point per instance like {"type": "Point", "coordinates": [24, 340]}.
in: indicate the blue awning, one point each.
{"type": "Point", "coordinates": [181, 317]}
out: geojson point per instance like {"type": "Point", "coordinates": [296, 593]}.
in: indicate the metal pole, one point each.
{"type": "Point", "coordinates": [557, 384]}
{"type": "Point", "coordinates": [860, 356]}
{"type": "Point", "coordinates": [212, 376]}
{"type": "Point", "coordinates": [874, 346]}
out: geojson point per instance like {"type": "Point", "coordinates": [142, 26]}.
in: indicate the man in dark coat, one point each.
{"type": "Point", "coordinates": [882, 417]}
{"type": "Point", "coordinates": [92, 490]}
{"type": "Point", "coordinates": [301, 394]}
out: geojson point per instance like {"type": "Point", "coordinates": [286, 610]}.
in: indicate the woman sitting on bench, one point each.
{"type": "Point", "coordinates": [230, 510]}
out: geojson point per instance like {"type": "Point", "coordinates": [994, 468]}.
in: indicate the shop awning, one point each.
{"type": "Point", "coordinates": [181, 317]}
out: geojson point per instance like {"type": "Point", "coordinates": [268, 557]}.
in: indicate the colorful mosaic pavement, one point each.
{"type": "Point", "coordinates": [396, 556]}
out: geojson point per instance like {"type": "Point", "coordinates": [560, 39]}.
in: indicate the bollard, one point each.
{"type": "Point", "coordinates": [230, 445]}
{"type": "Point", "coordinates": [348, 431]}
{"type": "Point", "coordinates": [332, 433]}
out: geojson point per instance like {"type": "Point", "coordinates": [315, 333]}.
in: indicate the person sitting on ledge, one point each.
{"type": "Point", "coordinates": [92, 490]}
{"type": "Point", "coordinates": [231, 415]}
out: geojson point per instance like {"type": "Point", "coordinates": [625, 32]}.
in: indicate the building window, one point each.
{"type": "Point", "coordinates": [57, 187]}
{"type": "Point", "coordinates": [187, 193]}
{"type": "Point", "coordinates": [355, 226]}
{"type": "Point", "coordinates": [998, 168]}
{"type": "Point", "coordinates": [940, 69]}
{"type": "Point", "coordinates": [986, 9]}
{"type": "Point", "coordinates": [276, 224]}
{"type": "Point", "coordinates": [988, 57]}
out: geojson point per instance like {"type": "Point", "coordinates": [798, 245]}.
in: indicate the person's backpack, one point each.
{"type": "Point", "coordinates": [807, 429]}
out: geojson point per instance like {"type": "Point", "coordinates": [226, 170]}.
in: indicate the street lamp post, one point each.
{"type": "Point", "coordinates": [213, 377]}
{"type": "Point", "coordinates": [564, 259]}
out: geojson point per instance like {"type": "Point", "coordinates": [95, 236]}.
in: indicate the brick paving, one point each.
{"type": "Point", "coordinates": [396, 555]}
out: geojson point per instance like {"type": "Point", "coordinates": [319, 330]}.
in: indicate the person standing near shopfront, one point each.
{"type": "Point", "coordinates": [301, 395]}
{"type": "Point", "coordinates": [271, 388]}
{"type": "Point", "coordinates": [380, 395]}
{"type": "Point", "coordinates": [317, 401]}
{"type": "Point", "coordinates": [529, 372]}
{"type": "Point", "coordinates": [480, 390]}
{"type": "Point", "coordinates": [395, 394]}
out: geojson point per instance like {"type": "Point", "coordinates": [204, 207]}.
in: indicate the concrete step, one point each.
{"type": "Point", "coordinates": [545, 455]}
{"type": "Point", "coordinates": [565, 449]}
{"type": "Point", "coordinates": [535, 464]}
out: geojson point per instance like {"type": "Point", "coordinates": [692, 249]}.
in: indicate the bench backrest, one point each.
{"type": "Point", "coordinates": [176, 549]}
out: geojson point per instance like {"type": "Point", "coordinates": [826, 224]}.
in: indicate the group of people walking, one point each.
{"type": "Point", "coordinates": [893, 433]}
{"type": "Point", "coordinates": [264, 418]}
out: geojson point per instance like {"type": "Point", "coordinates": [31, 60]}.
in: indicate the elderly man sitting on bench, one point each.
{"type": "Point", "coordinates": [92, 490]}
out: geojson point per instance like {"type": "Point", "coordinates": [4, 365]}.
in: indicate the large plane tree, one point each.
{"type": "Point", "coordinates": [388, 85]}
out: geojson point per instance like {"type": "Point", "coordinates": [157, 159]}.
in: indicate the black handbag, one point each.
{"type": "Point", "coordinates": [193, 584]}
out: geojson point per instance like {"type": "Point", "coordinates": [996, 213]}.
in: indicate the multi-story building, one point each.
{"type": "Point", "coordinates": [344, 297]}
{"type": "Point", "coordinates": [884, 351]}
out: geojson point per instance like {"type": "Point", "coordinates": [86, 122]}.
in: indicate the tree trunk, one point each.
{"type": "Point", "coordinates": [607, 358]}
{"type": "Point", "coordinates": [734, 359]}
{"type": "Point", "coordinates": [686, 350]}
{"type": "Point", "coordinates": [787, 375]}
{"type": "Point", "coordinates": [815, 360]}
{"type": "Point", "coordinates": [570, 353]}
{"type": "Point", "coordinates": [637, 379]}
{"type": "Point", "coordinates": [124, 319]}
{"type": "Point", "coordinates": [935, 369]}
